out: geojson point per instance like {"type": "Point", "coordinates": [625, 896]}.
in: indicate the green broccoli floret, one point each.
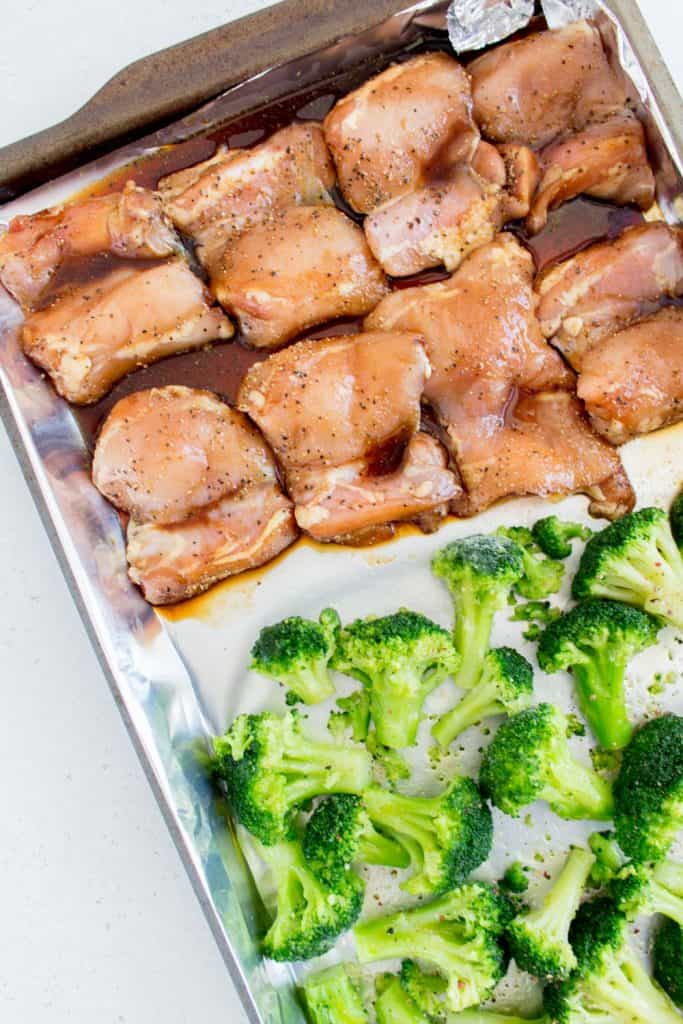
{"type": "Point", "coordinates": [400, 659]}
{"type": "Point", "coordinates": [650, 889]}
{"type": "Point", "coordinates": [506, 686]}
{"type": "Point", "coordinates": [635, 560]}
{"type": "Point", "coordinates": [538, 614]}
{"type": "Point", "coordinates": [340, 833]}
{"type": "Point", "coordinates": [676, 519]}
{"type": "Point", "coordinates": [553, 536]}
{"type": "Point", "coordinates": [393, 1004]}
{"type": "Point", "coordinates": [667, 957]}
{"type": "Point", "coordinates": [446, 836]}
{"type": "Point", "coordinates": [390, 765]}
{"type": "Point", "coordinates": [480, 572]}
{"type": "Point", "coordinates": [648, 792]}
{"type": "Point", "coordinates": [309, 915]}
{"type": "Point", "coordinates": [595, 642]}
{"type": "Point", "coordinates": [608, 858]}
{"type": "Point", "coordinates": [515, 879]}
{"type": "Point", "coordinates": [539, 939]}
{"type": "Point", "coordinates": [609, 984]}
{"type": "Point", "coordinates": [331, 997]}
{"type": "Point", "coordinates": [296, 652]}
{"type": "Point", "coordinates": [353, 716]}
{"type": "Point", "coordinates": [529, 759]}
{"type": "Point", "coordinates": [542, 576]}
{"type": "Point", "coordinates": [270, 767]}
{"type": "Point", "coordinates": [457, 934]}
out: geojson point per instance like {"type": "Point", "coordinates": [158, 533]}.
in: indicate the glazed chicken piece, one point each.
{"type": "Point", "coordinates": [488, 360]}
{"type": "Point", "coordinates": [128, 224]}
{"type": "Point", "coordinates": [342, 415]}
{"type": "Point", "coordinates": [200, 486]}
{"type": "Point", "coordinates": [215, 201]}
{"type": "Point", "coordinates": [607, 160]}
{"type": "Point", "coordinates": [98, 332]}
{"type": "Point", "coordinates": [388, 135]}
{"type": "Point", "coordinates": [547, 84]}
{"type": "Point", "coordinates": [305, 265]}
{"type": "Point", "coordinates": [632, 382]}
{"type": "Point", "coordinates": [608, 286]}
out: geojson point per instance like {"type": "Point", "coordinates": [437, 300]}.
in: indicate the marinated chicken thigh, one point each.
{"type": "Point", "coordinates": [608, 286]}
{"type": "Point", "coordinates": [215, 201]}
{"type": "Point", "coordinates": [128, 224]}
{"type": "Point", "coordinates": [342, 415]}
{"type": "Point", "coordinates": [96, 333]}
{"type": "Point", "coordinates": [305, 265]}
{"type": "Point", "coordinates": [632, 381]}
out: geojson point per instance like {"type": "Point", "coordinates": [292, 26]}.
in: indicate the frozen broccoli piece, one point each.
{"type": "Point", "coordinates": [296, 652]}
{"type": "Point", "coordinates": [553, 536]}
{"type": "Point", "coordinates": [331, 997]}
{"type": "Point", "coordinates": [542, 576]}
{"type": "Point", "coordinates": [667, 957]}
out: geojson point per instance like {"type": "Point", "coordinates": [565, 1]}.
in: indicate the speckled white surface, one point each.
{"type": "Point", "coordinates": [98, 919]}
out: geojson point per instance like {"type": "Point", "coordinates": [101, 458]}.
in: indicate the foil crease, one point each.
{"type": "Point", "coordinates": [473, 24]}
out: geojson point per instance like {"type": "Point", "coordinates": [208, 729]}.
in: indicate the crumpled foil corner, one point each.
{"type": "Point", "coordinates": [473, 24]}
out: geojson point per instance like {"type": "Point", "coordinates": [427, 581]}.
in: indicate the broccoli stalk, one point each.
{"type": "Point", "coordinates": [457, 934]}
{"type": "Point", "coordinates": [595, 641]}
{"type": "Point", "coordinates": [331, 997]}
{"type": "Point", "coordinates": [479, 571]}
{"type": "Point", "coordinates": [667, 956]}
{"type": "Point", "coordinates": [400, 659]}
{"type": "Point", "coordinates": [270, 768]}
{"type": "Point", "coordinates": [539, 939]}
{"type": "Point", "coordinates": [609, 984]}
{"type": "Point", "coordinates": [529, 759]}
{"type": "Point", "coordinates": [309, 915]}
{"type": "Point", "coordinates": [648, 792]}
{"type": "Point", "coordinates": [296, 652]}
{"type": "Point", "coordinates": [650, 889]}
{"type": "Point", "coordinates": [446, 836]}
{"type": "Point", "coordinates": [480, 1016]}
{"type": "Point", "coordinates": [542, 576]}
{"type": "Point", "coordinates": [506, 686]}
{"type": "Point", "coordinates": [393, 1004]}
{"type": "Point", "coordinates": [635, 560]}
{"type": "Point", "coordinates": [553, 536]}
{"type": "Point", "coordinates": [676, 519]}
{"type": "Point", "coordinates": [353, 716]}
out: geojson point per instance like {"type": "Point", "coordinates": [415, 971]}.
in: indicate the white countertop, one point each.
{"type": "Point", "coordinates": [98, 922]}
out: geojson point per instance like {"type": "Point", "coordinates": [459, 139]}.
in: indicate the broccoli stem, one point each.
{"type": "Point", "coordinates": [552, 919]}
{"type": "Point", "coordinates": [656, 564]}
{"type": "Point", "coordinates": [394, 1006]}
{"type": "Point", "coordinates": [666, 890]}
{"type": "Point", "coordinates": [577, 791]}
{"type": "Point", "coordinates": [312, 687]}
{"type": "Point", "coordinates": [600, 688]}
{"type": "Point", "coordinates": [396, 708]}
{"type": "Point", "coordinates": [480, 1016]}
{"type": "Point", "coordinates": [625, 989]}
{"type": "Point", "coordinates": [471, 634]}
{"type": "Point", "coordinates": [478, 703]}
{"type": "Point", "coordinates": [375, 848]}
{"type": "Point", "coordinates": [314, 768]}
{"type": "Point", "coordinates": [415, 822]}
{"type": "Point", "coordinates": [395, 937]}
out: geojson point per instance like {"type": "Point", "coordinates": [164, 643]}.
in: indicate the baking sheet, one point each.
{"type": "Point", "coordinates": [179, 676]}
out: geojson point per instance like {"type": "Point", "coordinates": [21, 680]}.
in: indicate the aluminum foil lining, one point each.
{"type": "Point", "coordinates": [473, 24]}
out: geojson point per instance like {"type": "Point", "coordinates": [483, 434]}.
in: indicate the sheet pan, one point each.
{"type": "Point", "coordinates": [180, 676]}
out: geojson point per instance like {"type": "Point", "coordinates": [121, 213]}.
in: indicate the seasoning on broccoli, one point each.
{"type": "Point", "coordinates": [506, 686]}
{"type": "Point", "coordinates": [480, 572]}
{"type": "Point", "coordinates": [400, 659]}
{"type": "Point", "coordinates": [393, 1004]}
{"type": "Point", "coordinates": [529, 759]}
{"type": "Point", "coordinates": [595, 641]}
{"type": "Point", "coordinates": [553, 535]}
{"type": "Point", "coordinates": [446, 836]}
{"type": "Point", "coordinates": [541, 576]}
{"type": "Point", "coordinates": [309, 915]}
{"type": "Point", "coordinates": [352, 717]}
{"type": "Point", "coordinates": [676, 519]}
{"type": "Point", "coordinates": [539, 939]}
{"type": "Point", "coordinates": [648, 792]}
{"type": "Point", "coordinates": [340, 833]}
{"type": "Point", "coordinates": [608, 858]}
{"type": "Point", "coordinates": [650, 889]}
{"type": "Point", "coordinates": [515, 879]}
{"type": "Point", "coordinates": [609, 983]}
{"type": "Point", "coordinates": [537, 614]}
{"type": "Point", "coordinates": [331, 997]}
{"type": "Point", "coordinates": [457, 934]}
{"type": "Point", "coordinates": [635, 560]}
{"type": "Point", "coordinates": [667, 960]}
{"type": "Point", "coordinates": [297, 652]}
{"type": "Point", "coordinates": [270, 768]}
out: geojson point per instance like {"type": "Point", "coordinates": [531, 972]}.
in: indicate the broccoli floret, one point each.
{"type": "Point", "coordinates": [506, 686]}
{"type": "Point", "coordinates": [539, 939]}
{"type": "Point", "coordinates": [515, 879]}
{"type": "Point", "coordinates": [529, 759]}
{"type": "Point", "coordinates": [609, 984]}
{"type": "Point", "coordinates": [392, 765]}
{"type": "Point", "coordinates": [309, 915]}
{"type": "Point", "coordinates": [538, 614]}
{"type": "Point", "coordinates": [595, 641]}
{"type": "Point", "coordinates": [635, 560]}
{"type": "Point", "coordinates": [542, 576]}
{"type": "Point", "coordinates": [676, 519]}
{"type": "Point", "coordinates": [340, 833]}
{"type": "Point", "coordinates": [393, 1004]}
{"type": "Point", "coordinates": [446, 836]}
{"type": "Point", "coordinates": [667, 957]}
{"type": "Point", "coordinates": [608, 858]}
{"type": "Point", "coordinates": [553, 536]}
{"type": "Point", "coordinates": [650, 889]}
{"type": "Point", "coordinates": [648, 792]}
{"type": "Point", "coordinates": [296, 652]}
{"type": "Point", "coordinates": [353, 716]}
{"type": "Point", "coordinates": [400, 659]}
{"type": "Point", "coordinates": [480, 572]}
{"type": "Point", "coordinates": [270, 767]}
{"type": "Point", "coordinates": [457, 934]}
{"type": "Point", "coordinates": [331, 997]}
